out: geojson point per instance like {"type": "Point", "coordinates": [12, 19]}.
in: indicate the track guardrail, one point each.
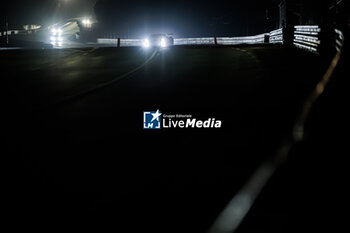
{"type": "Point", "coordinates": [307, 37]}
{"type": "Point", "coordinates": [258, 39]}
{"type": "Point", "coordinates": [276, 36]}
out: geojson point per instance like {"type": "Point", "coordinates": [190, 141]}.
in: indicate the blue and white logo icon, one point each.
{"type": "Point", "coordinates": [152, 120]}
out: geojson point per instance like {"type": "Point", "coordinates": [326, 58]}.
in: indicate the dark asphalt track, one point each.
{"type": "Point", "coordinates": [87, 157]}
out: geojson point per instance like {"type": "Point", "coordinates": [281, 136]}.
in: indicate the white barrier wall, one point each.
{"type": "Point", "coordinates": [130, 42]}
{"type": "Point", "coordinates": [258, 39]}
{"type": "Point", "coordinates": [276, 36]}
{"type": "Point", "coordinates": [339, 40]}
{"type": "Point", "coordinates": [307, 37]}
{"type": "Point", "coordinates": [107, 41]}
{"type": "Point", "coordinates": [123, 42]}
{"type": "Point", "coordinates": [12, 32]}
{"type": "Point", "coordinates": [194, 41]}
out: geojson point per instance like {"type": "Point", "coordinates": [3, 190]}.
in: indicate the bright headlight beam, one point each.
{"type": "Point", "coordinates": [162, 42]}
{"type": "Point", "coordinates": [146, 43]}
{"type": "Point", "coordinates": [86, 22]}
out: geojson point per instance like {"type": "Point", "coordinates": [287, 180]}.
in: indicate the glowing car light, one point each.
{"type": "Point", "coordinates": [162, 43]}
{"type": "Point", "coordinates": [146, 43]}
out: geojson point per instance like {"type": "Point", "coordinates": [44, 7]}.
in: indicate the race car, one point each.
{"type": "Point", "coordinates": [158, 40]}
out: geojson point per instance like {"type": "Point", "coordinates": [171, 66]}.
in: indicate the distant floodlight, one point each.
{"type": "Point", "coordinates": [52, 38]}
{"type": "Point", "coordinates": [54, 31]}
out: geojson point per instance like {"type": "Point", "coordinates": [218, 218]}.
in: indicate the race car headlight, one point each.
{"type": "Point", "coordinates": [146, 43]}
{"type": "Point", "coordinates": [162, 42]}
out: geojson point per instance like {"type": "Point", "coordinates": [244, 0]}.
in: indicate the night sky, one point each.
{"type": "Point", "coordinates": [44, 12]}
{"type": "Point", "coordinates": [135, 18]}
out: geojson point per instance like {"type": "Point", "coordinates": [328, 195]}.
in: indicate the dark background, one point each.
{"type": "Point", "coordinates": [135, 18]}
{"type": "Point", "coordinates": [308, 191]}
